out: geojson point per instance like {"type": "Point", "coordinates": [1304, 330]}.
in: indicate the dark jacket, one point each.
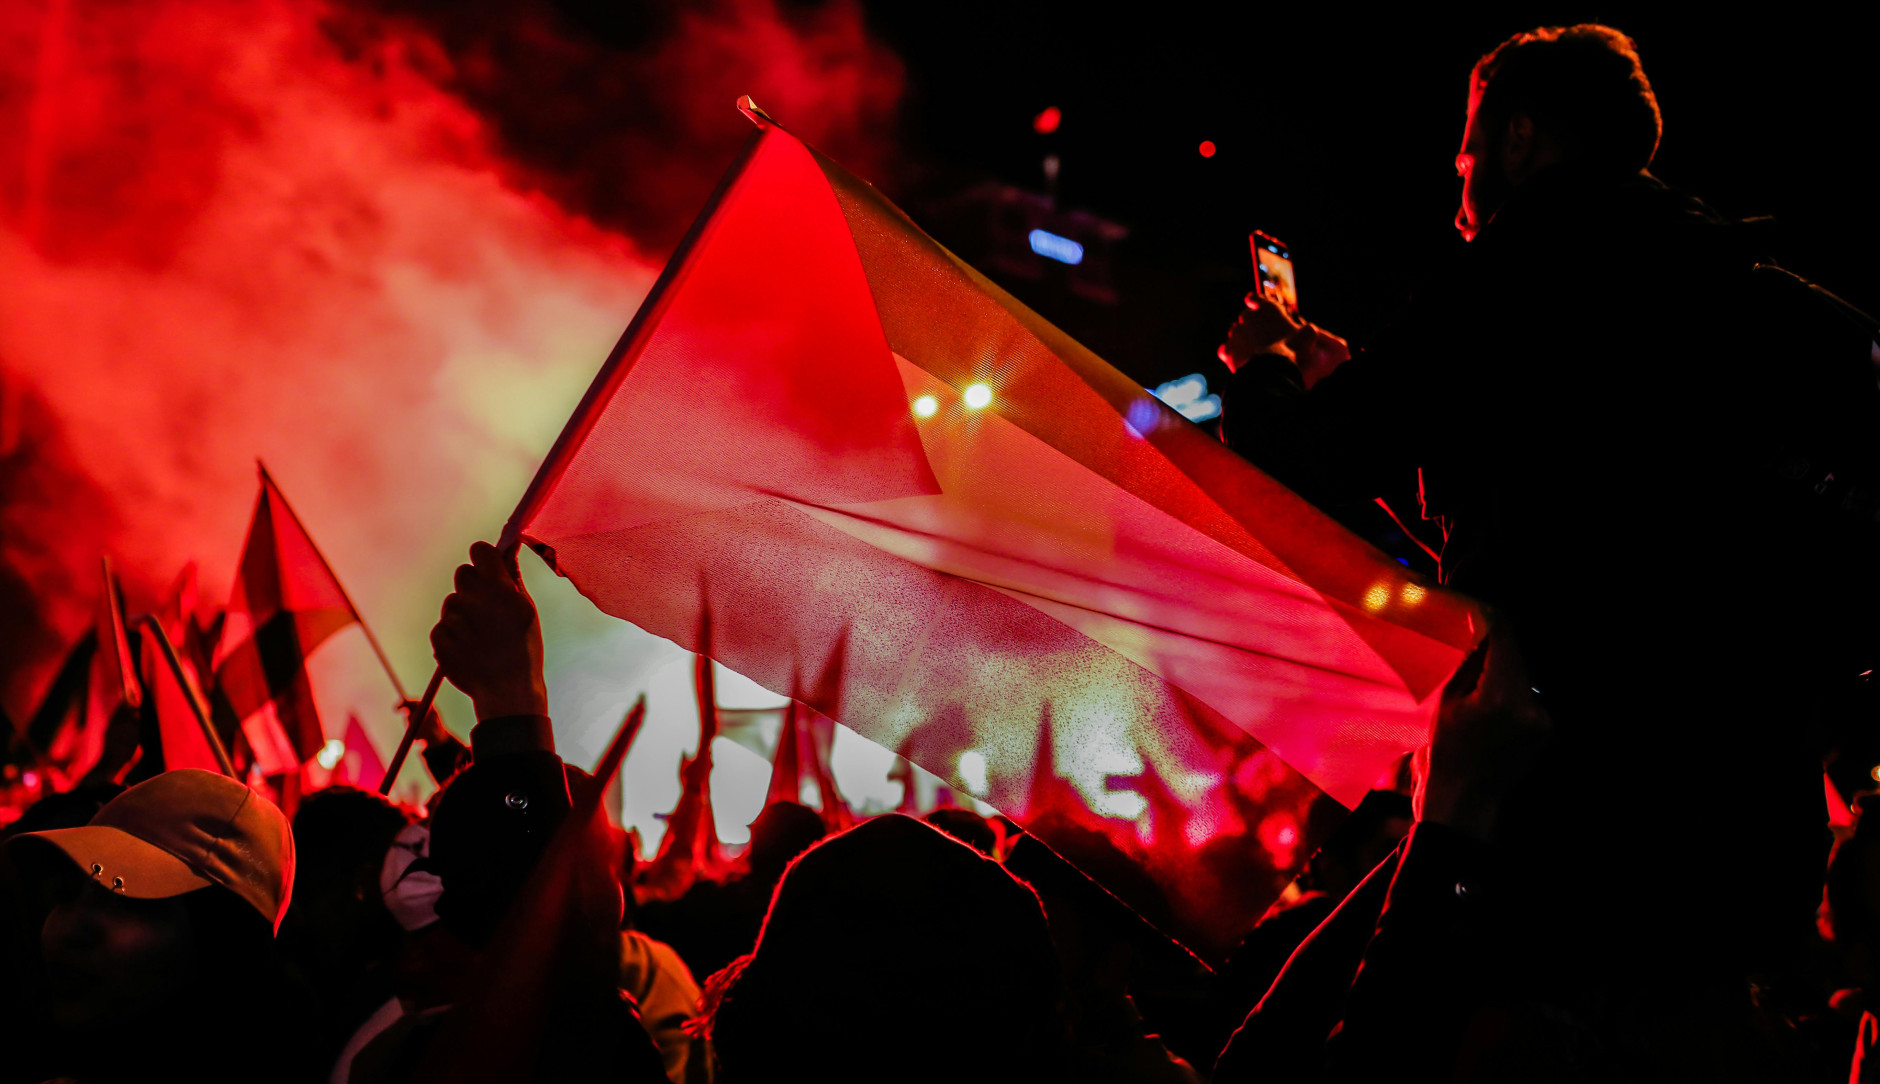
{"type": "Point", "coordinates": [1587, 404]}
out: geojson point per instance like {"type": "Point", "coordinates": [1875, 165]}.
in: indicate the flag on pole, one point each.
{"type": "Point", "coordinates": [360, 766]}
{"type": "Point", "coordinates": [176, 698]}
{"type": "Point", "coordinates": [689, 849]}
{"type": "Point", "coordinates": [873, 464]}
{"type": "Point", "coordinates": [803, 745]}
{"type": "Point", "coordinates": [286, 602]}
{"type": "Point", "coordinates": [113, 691]}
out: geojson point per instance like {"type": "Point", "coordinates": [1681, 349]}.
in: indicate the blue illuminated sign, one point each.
{"type": "Point", "coordinates": [1052, 247]}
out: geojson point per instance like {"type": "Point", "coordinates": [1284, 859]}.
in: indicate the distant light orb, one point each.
{"type": "Point", "coordinates": [926, 406]}
{"type": "Point", "coordinates": [1207, 148]}
{"type": "Point", "coordinates": [973, 772]}
{"type": "Point", "coordinates": [1412, 594]}
{"type": "Point", "coordinates": [978, 395]}
{"type": "Point", "coordinates": [1876, 772]}
{"type": "Point", "coordinates": [1377, 597]}
{"type": "Point", "coordinates": [1047, 122]}
{"type": "Point", "coordinates": [330, 753]}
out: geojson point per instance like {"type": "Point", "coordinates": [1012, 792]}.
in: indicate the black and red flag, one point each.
{"type": "Point", "coordinates": [285, 603]}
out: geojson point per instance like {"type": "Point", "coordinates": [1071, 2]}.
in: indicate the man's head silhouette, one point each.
{"type": "Point", "coordinates": [1550, 96]}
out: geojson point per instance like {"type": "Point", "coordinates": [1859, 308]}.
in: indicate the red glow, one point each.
{"type": "Point", "coordinates": [1207, 148]}
{"type": "Point", "coordinates": [1047, 122]}
{"type": "Point", "coordinates": [232, 229]}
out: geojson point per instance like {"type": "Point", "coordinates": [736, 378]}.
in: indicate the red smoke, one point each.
{"type": "Point", "coordinates": [383, 253]}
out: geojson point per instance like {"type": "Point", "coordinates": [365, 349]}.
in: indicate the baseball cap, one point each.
{"type": "Point", "coordinates": [183, 830]}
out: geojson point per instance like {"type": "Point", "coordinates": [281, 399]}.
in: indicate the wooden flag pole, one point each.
{"type": "Point", "coordinates": [152, 627]}
{"type": "Point", "coordinates": [418, 716]}
{"type": "Point", "coordinates": [267, 481]}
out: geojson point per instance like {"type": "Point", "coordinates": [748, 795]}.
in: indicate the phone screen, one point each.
{"type": "Point", "coordinates": [1273, 262]}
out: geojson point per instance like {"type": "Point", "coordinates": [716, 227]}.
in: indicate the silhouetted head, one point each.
{"type": "Point", "coordinates": [338, 921]}
{"type": "Point", "coordinates": [781, 832]}
{"type": "Point", "coordinates": [1547, 96]}
{"type": "Point", "coordinates": [966, 826]}
{"type": "Point", "coordinates": [893, 951]}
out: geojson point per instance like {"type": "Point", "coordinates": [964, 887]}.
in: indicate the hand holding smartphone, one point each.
{"type": "Point", "coordinates": [1272, 262]}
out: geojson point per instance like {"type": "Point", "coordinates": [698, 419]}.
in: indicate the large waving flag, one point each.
{"type": "Point", "coordinates": [1003, 558]}
{"type": "Point", "coordinates": [285, 603]}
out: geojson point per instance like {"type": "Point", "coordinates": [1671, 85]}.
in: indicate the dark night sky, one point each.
{"type": "Point", "coordinates": [1336, 130]}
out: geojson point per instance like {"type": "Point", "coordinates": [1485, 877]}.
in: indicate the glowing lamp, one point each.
{"type": "Point", "coordinates": [1052, 247]}
{"type": "Point", "coordinates": [330, 753]}
{"type": "Point", "coordinates": [977, 396]}
{"type": "Point", "coordinates": [926, 406]}
{"type": "Point", "coordinates": [1377, 597]}
{"type": "Point", "coordinates": [1047, 122]}
{"type": "Point", "coordinates": [1207, 148]}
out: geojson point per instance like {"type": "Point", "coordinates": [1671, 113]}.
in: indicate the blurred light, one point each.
{"type": "Point", "coordinates": [1207, 148]}
{"type": "Point", "coordinates": [1189, 397]}
{"type": "Point", "coordinates": [330, 753]}
{"type": "Point", "coordinates": [926, 406]}
{"type": "Point", "coordinates": [1052, 247]}
{"type": "Point", "coordinates": [1047, 122]}
{"type": "Point", "coordinates": [1287, 836]}
{"type": "Point", "coordinates": [973, 771]}
{"type": "Point", "coordinates": [977, 395]}
{"type": "Point", "coordinates": [30, 778]}
{"type": "Point", "coordinates": [1377, 597]}
{"type": "Point", "coordinates": [1412, 594]}
{"type": "Point", "coordinates": [1875, 773]}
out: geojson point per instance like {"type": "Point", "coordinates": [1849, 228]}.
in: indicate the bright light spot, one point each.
{"type": "Point", "coordinates": [973, 771]}
{"type": "Point", "coordinates": [1052, 247]}
{"type": "Point", "coordinates": [31, 779]}
{"type": "Point", "coordinates": [1876, 772]}
{"type": "Point", "coordinates": [1287, 836]}
{"type": "Point", "coordinates": [1047, 122]}
{"type": "Point", "coordinates": [1207, 148]}
{"type": "Point", "coordinates": [1377, 597]}
{"type": "Point", "coordinates": [926, 406]}
{"type": "Point", "coordinates": [330, 753]}
{"type": "Point", "coordinates": [1412, 594]}
{"type": "Point", "coordinates": [1189, 397]}
{"type": "Point", "coordinates": [978, 395]}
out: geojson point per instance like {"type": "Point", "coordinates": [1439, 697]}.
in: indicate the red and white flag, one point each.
{"type": "Point", "coordinates": [286, 602]}
{"type": "Point", "coordinates": [1001, 557]}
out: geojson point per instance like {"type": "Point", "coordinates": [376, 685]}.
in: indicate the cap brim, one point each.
{"type": "Point", "coordinates": [123, 862]}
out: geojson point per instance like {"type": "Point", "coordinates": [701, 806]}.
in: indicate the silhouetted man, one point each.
{"type": "Point", "coordinates": [1583, 406]}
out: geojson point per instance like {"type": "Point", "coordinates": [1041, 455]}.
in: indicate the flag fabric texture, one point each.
{"type": "Point", "coordinates": [874, 466]}
{"type": "Point", "coordinates": [286, 602]}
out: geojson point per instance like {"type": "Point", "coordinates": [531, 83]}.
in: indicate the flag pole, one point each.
{"type": "Point", "coordinates": [581, 422]}
{"type": "Point", "coordinates": [267, 480]}
{"type": "Point", "coordinates": [154, 628]}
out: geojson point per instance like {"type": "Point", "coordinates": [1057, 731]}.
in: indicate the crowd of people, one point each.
{"type": "Point", "coordinates": [1552, 898]}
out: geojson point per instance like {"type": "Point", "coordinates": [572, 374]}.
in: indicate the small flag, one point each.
{"type": "Point", "coordinates": [286, 602]}
{"type": "Point", "coordinates": [176, 703]}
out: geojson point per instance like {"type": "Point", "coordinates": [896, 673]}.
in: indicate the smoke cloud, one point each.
{"type": "Point", "coordinates": [381, 249]}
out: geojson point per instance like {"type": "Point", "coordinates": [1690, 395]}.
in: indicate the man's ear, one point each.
{"type": "Point", "coordinates": [1517, 146]}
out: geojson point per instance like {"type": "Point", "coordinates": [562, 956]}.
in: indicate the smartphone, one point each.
{"type": "Point", "coordinates": [1272, 262]}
